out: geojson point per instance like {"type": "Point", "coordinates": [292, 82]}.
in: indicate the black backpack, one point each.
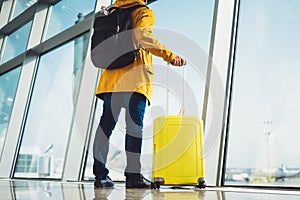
{"type": "Point", "coordinates": [112, 43]}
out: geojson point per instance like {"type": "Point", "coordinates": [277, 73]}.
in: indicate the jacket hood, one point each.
{"type": "Point", "coordinates": [128, 3]}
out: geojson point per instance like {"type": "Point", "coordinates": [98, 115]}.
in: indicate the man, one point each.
{"type": "Point", "coordinates": [129, 87]}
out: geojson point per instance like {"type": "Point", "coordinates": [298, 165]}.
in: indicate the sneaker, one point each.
{"type": "Point", "coordinates": [104, 183]}
{"type": "Point", "coordinates": [138, 182]}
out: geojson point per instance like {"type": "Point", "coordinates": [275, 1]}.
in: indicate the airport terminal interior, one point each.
{"type": "Point", "coordinates": [240, 81]}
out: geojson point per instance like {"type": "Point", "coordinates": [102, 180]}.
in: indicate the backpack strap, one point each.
{"type": "Point", "coordinates": [129, 8]}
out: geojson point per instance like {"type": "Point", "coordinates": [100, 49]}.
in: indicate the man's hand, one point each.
{"type": "Point", "coordinates": [178, 61]}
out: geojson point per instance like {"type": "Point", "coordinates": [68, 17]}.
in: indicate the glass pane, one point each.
{"type": "Point", "coordinates": [50, 114]}
{"type": "Point", "coordinates": [66, 13]}
{"type": "Point", "coordinates": [21, 6]}
{"type": "Point", "coordinates": [16, 42]}
{"type": "Point", "coordinates": [192, 42]}
{"type": "Point", "coordinates": [264, 124]}
{"type": "Point", "coordinates": [8, 87]}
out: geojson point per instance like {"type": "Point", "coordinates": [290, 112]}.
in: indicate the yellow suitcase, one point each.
{"type": "Point", "coordinates": [177, 151]}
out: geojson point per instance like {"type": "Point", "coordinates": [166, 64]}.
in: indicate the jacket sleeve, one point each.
{"type": "Point", "coordinates": [145, 38]}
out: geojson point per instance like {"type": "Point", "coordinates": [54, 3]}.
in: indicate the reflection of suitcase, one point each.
{"type": "Point", "coordinates": [177, 151]}
{"type": "Point", "coordinates": [174, 195]}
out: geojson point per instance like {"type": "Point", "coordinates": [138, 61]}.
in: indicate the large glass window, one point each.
{"type": "Point", "coordinates": [8, 86]}
{"type": "Point", "coordinates": [66, 13]}
{"type": "Point", "coordinates": [51, 109]}
{"type": "Point", "coordinates": [16, 42]}
{"type": "Point", "coordinates": [21, 6]}
{"type": "Point", "coordinates": [192, 42]}
{"type": "Point", "coordinates": [263, 146]}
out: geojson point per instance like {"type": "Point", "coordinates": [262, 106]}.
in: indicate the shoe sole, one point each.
{"type": "Point", "coordinates": [139, 187]}
{"type": "Point", "coordinates": [107, 185]}
{"type": "Point", "coordinates": [104, 186]}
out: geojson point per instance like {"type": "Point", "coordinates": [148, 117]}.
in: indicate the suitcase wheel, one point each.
{"type": "Point", "coordinates": [158, 181]}
{"type": "Point", "coordinates": [201, 183]}
{"type": "Point", "coordinates": [155, 185]}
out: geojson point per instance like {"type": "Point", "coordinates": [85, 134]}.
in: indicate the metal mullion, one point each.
{"type": "Point", "coordinates": [9, 65]}
{"type": "Point", "coordinates": [39, 20]}
{"type": "Point", "coordinates": [81, 125]}
{"type": "Point", "coordinates": [227, 107]}
{"type": "Point", "coordinates": [52, 2]}
{"type": "Point", "coordinates": [215, 94]}
{"type": "Point", "coordinates": [2, 45]}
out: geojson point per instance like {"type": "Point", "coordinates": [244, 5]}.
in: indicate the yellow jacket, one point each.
{"type": "Point", "coordinates": [138, 76]}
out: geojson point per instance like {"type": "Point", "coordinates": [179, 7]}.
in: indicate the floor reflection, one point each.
{"type": "Point", "coordinates": [141, 194]}
{"type": "Point", "coordinates": [56, 190]}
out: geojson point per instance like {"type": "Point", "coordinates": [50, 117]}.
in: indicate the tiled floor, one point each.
{"type": "Point", "coordinates": [25, 189]}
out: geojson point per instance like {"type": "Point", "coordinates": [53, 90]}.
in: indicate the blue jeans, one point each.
{"type": "Point", "coordinates": [134, 104]}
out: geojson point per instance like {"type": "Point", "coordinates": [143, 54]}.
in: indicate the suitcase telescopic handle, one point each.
{"type": "Point", "coordinates": [181, 111]}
